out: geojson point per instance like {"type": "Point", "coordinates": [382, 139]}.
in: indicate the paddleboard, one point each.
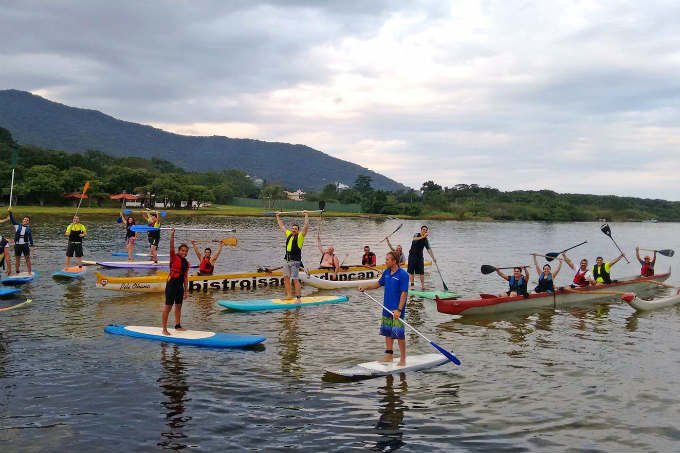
{"type": "Point", "coordinates": [8, 291]}
{"type": "Point", "coordinates": [16, 305]}
{"type": "Point", "coordinates": [138, 264]}
{"type": "Point", "coordinates": [141, 255]}
{"type": "Point", "coordinates": [374, 369]}
{"type": "Point", "coordinates": [280, 304]}
{"type": "Point", "coordinates": [187, 337]}
{"type": "Point", "coordinates": [18, 279]}
{"type": "Point", "coordinates": [70, 272]}
{"type": "Point", "coordinates": [433, 294]}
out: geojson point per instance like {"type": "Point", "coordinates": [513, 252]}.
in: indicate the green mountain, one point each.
{"type": "Point", "coordinates": [34, 120]}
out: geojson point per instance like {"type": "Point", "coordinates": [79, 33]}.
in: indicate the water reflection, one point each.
{"type": "Point", "coordinates": [290, 343]}
{"type": "Point", "coordinates": [392, 407]}
{"type": "Point", "coordinates": [174, 387]}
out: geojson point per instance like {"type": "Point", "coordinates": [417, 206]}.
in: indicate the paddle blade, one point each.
{"type": "Point", "coordinates": [486, 269]}
{"type": "Point", "coordinates": [551, 256]}
{"type": "Point", "coordinates": [163, 214]}
{"type": "Point", "coordinates": [232, 241]}
{"type": "Point", "coordinates": [127, 211]}
{"type": "Point", "coordinates": [119, 219]}
{"type": "Point", "coordinates": [606, 230]}
{"type": "Point", "coordinates": [445, 353]}
{"type": "Point", "coordinates": [142, 228]}
{"type": "Point", "coordinates": [666, 252]}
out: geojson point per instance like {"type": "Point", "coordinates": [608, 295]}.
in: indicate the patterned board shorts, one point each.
{"type": "Point", "coordinates": [392, 328]}
{"type": "Point", "coordinates": [292, 269]}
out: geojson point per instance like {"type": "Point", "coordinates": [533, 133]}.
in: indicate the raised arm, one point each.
{"type": "Point", "coordinates": [305, 227]}
{"type": "Point", "coordinates": [637, 255]}
{"type": "Point", "coordinates": [282, 227]}
{"type": "Point", "coordinates": [196, 250]}
{"type": "Point", "coordinates": [654, 258]}
{"type": "Point", "coordinates": [318, 241]}
{"type": "Point", "coordinates": [389, 244]}
{"type": "Point", "coordinates": [568, 261]}
{"type": "Point", "coordinates": [503, 276]}
{"type": "Point", "coordinates": [616, 260]}
{"type": "Point", "coordinates": [172, 242]}
{"type": "Point", "coordinates": [557, 271]}
{"type": "Point", "coordinates": [213, 259]}
{"type": "Point", "coordinates": [538, 269]}
{"type": "Point", "coordinates": [526, 273]}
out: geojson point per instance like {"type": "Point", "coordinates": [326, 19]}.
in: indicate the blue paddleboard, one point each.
{"type": "Point", "coordinates": [279, 304]}
{"type": "Point", "coordinates": [8, 291]}
{"type": "Point", "coordinates": [18, 279]}
{"type": "Point", "coordinates": [70, 272]}
{"type": "Point", "coordinates": [188, 337]}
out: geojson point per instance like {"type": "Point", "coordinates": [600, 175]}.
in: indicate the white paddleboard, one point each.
{"type": "Point", "coordinates": [377, 368]}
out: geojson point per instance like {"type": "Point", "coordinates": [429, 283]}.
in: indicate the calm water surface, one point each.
{"type": "Point", "coordinates": [600, 378]}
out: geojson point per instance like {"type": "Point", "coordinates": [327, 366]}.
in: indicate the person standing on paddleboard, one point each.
{"type": "Point", "coordinates": [293, 257]}
{"type": "Point", "coordinates": [177, 286]}
{"type": "Point", "coordinates": [130, 236]}
{"type": "Point", "coordinates": [395, 280]}
{"type": "Point", "coordinates": [5, 259]}
{"type": "Point", "coordinates": [153, 235]}
{"type": "Point", "coordinates": [75, 232]}
{"type": "Point", "coordinates": [23, 240]}
{"type": "Point", "coordinates": [416, 260]}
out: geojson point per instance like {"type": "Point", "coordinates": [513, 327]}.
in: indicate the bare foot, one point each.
{"type": "Point", "coordinates": [402, 362]}
{"type": "Point", "coordinates": [165, 332]}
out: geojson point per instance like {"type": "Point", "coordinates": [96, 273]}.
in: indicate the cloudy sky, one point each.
{"type": "Point", "coordinates": [573, 96]}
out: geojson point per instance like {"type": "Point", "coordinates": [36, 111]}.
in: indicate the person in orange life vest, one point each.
{"type": "Point", "coordinates": [399, 252]}
{"type": "Point", "coordinates": [601, 270]}
{"type": "Point", "coordinates": [329, 259]}
{"type": "Point", "coordinates": [177, 286]}
{"type": "Point", "coordinates": [295, 238]}
{"type": "Point", "coordinates": [648, 263]}
{"type": "Point", "coordinates": [368, 259]}
{"type": "Point", "coordinates": [583, 276]}
{"type": "Point", "coordinates": [517, 282]}
{"type": "Point", "coordinates": [207, 260]}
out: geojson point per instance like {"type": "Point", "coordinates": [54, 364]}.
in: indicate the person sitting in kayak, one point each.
{"type": "Point", "coordinates": [207, 263]}
{"type": "Point", "coordinates": [153, 235]}
{"type": "Point", "coordinates": [177, 286]}
{"type": "Point", "coordinates": [130, 236]}
{"type": "Point", "coordinates": [517, 282]}
{"type": "Point", "coordinates": [583, 276]}
{"type": "Point", "coordinates": [23, 240]}
{"type": "Point", "coordinates": [546, 278]}
{"type": "Point", "coordinates": [329, 259]}
{"type": "Point", "coordinates": [368, 258]}
{"type": "Point", "coordinates": [75, 232]}
{"type": "Point", "coordinates": [399, 252]}
{"type": "Point", "coordinates": [648, 263]}
{"type": "Point", "coordinates": [601, 270]}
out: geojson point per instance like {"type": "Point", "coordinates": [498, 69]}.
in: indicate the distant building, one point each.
{"type": "Point", "coordinates": [298, 195]}
{"type": "Point", "coordinates": [341, 186]}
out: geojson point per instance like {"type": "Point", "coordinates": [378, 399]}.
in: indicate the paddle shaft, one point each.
{"type": "Point", "coordinates": [446, 288]}
{"type": "Point", "coordinates": [447, 354]}
{"type": "Point", "coordinates": [390, 235]}
{"type": "Point", "coordinates": [292, 212]}
{"type": "Point", "coordinates": [143, 228]}
{"type": "Point", "coordinates": [607, 231]}
{"type": "Point", "coordinates": [11, 189]}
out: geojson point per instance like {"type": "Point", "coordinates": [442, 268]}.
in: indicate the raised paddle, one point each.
{"type": "Point", "coordinates": [552, 255]}
{"type": "Point", "coordinates": [322, 208]}
{"type": "Point", "coordinates": [130, 211]}
{"type": "Point", "coordinates": [268, 270]}
{"type": "Point", "coordinates": [232, 241]}
{"type": "Point", "coordinates": [143, 228]}
{"type": "Point", "coordinates": [82, 195]}
{"type": "Point", "coordinates": [444, 352]}
{"type": "Point", "coordinates": [11, 190]}
{"type": "Point", "coordinates": [487, 269]}
{"type": "Point", "coordinates": [606, 230]}
{"type": "Point", "coordinates": [665, 252]}
{"type": "Point", "coordinates": [389, 235]}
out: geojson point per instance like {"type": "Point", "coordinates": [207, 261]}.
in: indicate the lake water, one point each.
{"type": "Point", "coordinates": [601, 378]}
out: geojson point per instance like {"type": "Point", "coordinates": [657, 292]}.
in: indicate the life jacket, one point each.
{"type": "Point", "coordinates": [154, 234]}
{"type": "Point", "coordinates": [647, 269]}
{"type": "Point", "coordinates": [179, 267]}
{"type": "Point", "coordinates": [128, 232]}
{"type": "Point", "coordinates": [580, 278]}
{"type": "Point", "coordinates": [600, 272]}
{"type": "Point", "coordinates": [545, 284]}
{"type": "Point", "coordinates": [368, 258]}
{"type": "Point", "coordinates": [74, 235]}
{"type": "Point", "coordinates": [206, 267]}
{"type": "Point", "coordinates": [519, 285]}
{"type": "Point", "coordinates": [293, 249]}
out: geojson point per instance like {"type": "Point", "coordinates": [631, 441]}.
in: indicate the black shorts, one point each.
{"type": "Point", "coordinates": [154, 242]}
{"type": "Point", "coordinates": [74, 247]}
{"type": "Point", "coordinates": [174, 291]}
{"type": "Point", "coordinates": [416, 265]}
{"type": "Point", "coordinates": [22, 249]}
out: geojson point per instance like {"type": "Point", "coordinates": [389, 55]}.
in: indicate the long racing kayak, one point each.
{"type": "Point", "coordinates": [648, 305]}
{"type": "Point", "coordinates": [323, 283]}
{"type": "Point", "coordinates": [433, 294]}
{"type": "Point", "coordinates": [280, 304]}
{"type": "Point", "coordinates": [187, 337]}
{"type": "Point", "coordinates": [137, 264]}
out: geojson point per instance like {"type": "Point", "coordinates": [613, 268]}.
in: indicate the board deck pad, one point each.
{"type": "Point", "coordinates": [17, 279]}
{"type": "Point", "coordinates": [377, 368]}
{"type": "Point", "coordinates": [187, 337]}
{"type": "Point", "coordinates": [280, 304]}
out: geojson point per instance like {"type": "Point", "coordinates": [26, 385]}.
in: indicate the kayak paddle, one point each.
{"type": "Point", "coordinates": [143, 228]}
{"type": "Point", "coordinates": [606, 230]}
{"type": "Point", "coordinates": [444, 352]}
{"type": "Point", "coordinates": [389, 235]}
{"type": "Point", "coordinates": [487, 269]}
{"type": "Point", "coordinates": [130, 211]}
{"type": "Point", "coordinates": [665, 252]}
{"type": "Point", "coordinates": [552, 255]}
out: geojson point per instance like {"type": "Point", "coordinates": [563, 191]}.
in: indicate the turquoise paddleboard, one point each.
{"type": "Point", "coordinates": [280, 304]}
{"type": "Point", "coordinates": [8, 291]}
{"type": "Point", "coordinates": [432, 294]}
{"type": "Point", "coordinates": [72, 272]}
{"type": "Point", "coordinates": [187, 337]}
{"type": "Point", "coordinates": [17, 279]}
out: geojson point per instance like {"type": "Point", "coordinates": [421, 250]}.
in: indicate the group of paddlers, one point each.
{"type": "Point", "coordinates": [599, 274]}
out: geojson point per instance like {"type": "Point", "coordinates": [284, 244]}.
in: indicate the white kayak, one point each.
{"type": "Point", "coordinates": [322, 283]}
{"type": "Point", "coordinates": [648, 305]}
{"type": "Point", "coordinates": [377, 368]}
